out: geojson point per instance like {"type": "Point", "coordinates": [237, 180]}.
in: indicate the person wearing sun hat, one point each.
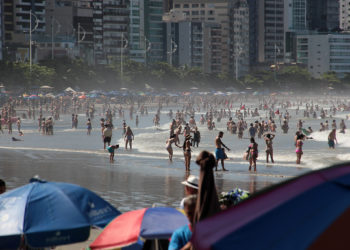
{"type": "Point", "coordinates": [191, 187]}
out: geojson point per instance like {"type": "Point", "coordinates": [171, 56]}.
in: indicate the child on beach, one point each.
{"type": "Point", "coordinates": [111, 150]}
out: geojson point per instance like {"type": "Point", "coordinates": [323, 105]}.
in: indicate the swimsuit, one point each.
{"type": "Point", "coordinates": [219, 154]}
{"type": "Point", "coordinates": [298, 150]}
{"type": "Point", "coordinates": [110, 149]}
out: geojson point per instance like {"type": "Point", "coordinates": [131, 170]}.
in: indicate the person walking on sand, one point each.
{"type": "Point", "coordinates": [332, 138]}
{"type": "Point", "coordinates": [253, 154]}
{"type": "Point", "coordinates": [169, 148]}
{"type": "Point", "coordinates": [219, 152]}
{"type": "Point", "coordinates": [129, 137]}
{"type": "Point", "coordinates": [269, 149]}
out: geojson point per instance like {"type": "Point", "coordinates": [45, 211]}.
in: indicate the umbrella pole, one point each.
{"type": "Point", "coordinates": [157, 244]}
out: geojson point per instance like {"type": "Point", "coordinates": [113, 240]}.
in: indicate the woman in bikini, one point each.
{"type": "Point", "coordinates": [299, 147]}
{"type": "Point", "coordinates": [129, 136]}
{"type": "Point", "coordinates": [187, 152]}
{"type": "Point", "coordinates": [168, 146]}
{"type": "Point", "coordinates": [269, 149]}
{"type": "Point", "coordinates": [253, 154]}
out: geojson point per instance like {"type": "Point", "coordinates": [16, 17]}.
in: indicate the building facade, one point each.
{"type": "Point", "coordinates": [271, 37]}
{"type": "Point", "coordinates": [138, 43]}
{"type": "Point", "coordinates": [253, 31]}
{"type": "Point", "coordinates": [154, 29]}
{"type": "Point", "coordinates": [1, 31]}
{"type": "Point", "coordinates": [323, 15]}
{"type": "Point", "coordinates": [83, 29]}
{"type": "Point", "coordinates": [215, 15]}
{"type": "Point", "coordinates": [239, 38]}
{"type": "Point", "coordinates": [324, 53]}
{"type": "Point", "coordinates": [110, 30]}
{"type": "Point", "coordinates": [344, 17]}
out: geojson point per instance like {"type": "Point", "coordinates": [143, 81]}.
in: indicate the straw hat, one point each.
{"type": "Point", "coordinates": [192, 181]}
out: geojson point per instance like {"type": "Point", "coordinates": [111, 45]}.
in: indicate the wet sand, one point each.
{"type": "Point", "coordinates": [127, 188]}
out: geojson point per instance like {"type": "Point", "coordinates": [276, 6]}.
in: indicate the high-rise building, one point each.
{"type": "Point", "coordinates": [215, 15]}
{"type": "Point", "coordinates": [344, 17]}
{"type": "Point", "coordinates": [83, 29]}
{"type": "Point", "coordinates": [1, 30]}
{"type": "Point", "coordinates": [239, 37]}
{"type": "Point", "coordinates": [179, 43]}
{"type": "Point", "coordinates": [17, 16]}
{"type": "Point", "coordinates": [110, 30]}
{"type": "Point", "coordinates": [323, 53]}
{"type": "Point", "coordinates": [154, 29]}
{"type": "Point", "coordinates": [253, 31]}
{"type": "Point", "coordinates": [323, 15]}
{"type": "Point", "coordinates": [185, 40]}
{"type": "Point", "coordinates": [138, 43]}
{"type": "Point", "coordinates": [271, 31]}
{"type": "Point", "coordinates": [295, 15]}
{"type": "Point", "coordinates": [295, 22]}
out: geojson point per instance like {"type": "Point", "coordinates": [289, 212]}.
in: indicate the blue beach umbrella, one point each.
{"type": "Point", "coordinates": [50, 214]}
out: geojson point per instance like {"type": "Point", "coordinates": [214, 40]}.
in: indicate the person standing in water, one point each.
{"type": "Point", "coordinates": [269, 149]}
{"type": "Point", "coordinates": [137, 121]}
{"type": "Point", "coordinates": [332, 138]}
{"type": "Point", "coordinates": [253, 154]}
{"type": "Point", "coordinates": [169, 148]}
{"type": "Point", "coordinates": [219, 152]}
{"type": "Point", "coordinates": [19, 124]}
{"type": "Point", "coordinates": [299, 147]}
{"type": "Point", "coordinates": [129, 137]}
{"type": "Point", "coordinates": [107, 135]}
{"type": "Point", "coordinates": [187, 152]}
{"type": "Point", "coordinates": [88, 126]}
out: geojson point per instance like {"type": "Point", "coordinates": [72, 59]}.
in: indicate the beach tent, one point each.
{"type": "Point", "coordinates": [308, 212]}
{"type": "Point", "coordinates": [147, 223]}
{"type": "Point", "coordinates": [48, 214]}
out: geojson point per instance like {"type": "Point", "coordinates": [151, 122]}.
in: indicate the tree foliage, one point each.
{"type": "Point", "coordinates": [65, 72]}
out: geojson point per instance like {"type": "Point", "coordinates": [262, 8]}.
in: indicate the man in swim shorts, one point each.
{"type": "Point", "coordinates": [107, 135]}
{"type": "Point", "coordinates": [219, 152]}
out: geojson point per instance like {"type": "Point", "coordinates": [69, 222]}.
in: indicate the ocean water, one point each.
{"type": "Point", "coordinates": [144, 176]}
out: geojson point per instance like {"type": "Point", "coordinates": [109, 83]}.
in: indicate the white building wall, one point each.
{"type": "Point", "coordinates": [324, 53]}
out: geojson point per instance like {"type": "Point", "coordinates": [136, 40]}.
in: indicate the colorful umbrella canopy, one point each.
{"type": "Point", "coordinates": [82, 97]}
{"type": "Point", "coordinates": [50, 214]}
{"type": "Point", "coordinates": [34, 97]}
{"type": "Point", "coordinates": [311, 211]}
{"type": "Point", "coordinates": [148, 223]}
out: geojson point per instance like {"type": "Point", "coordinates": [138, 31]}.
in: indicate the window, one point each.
{"type": "Point", "coordinates": [195, 5]}
{"type": "Point", "coordinates": [186, 5]}
{"type": "Point", "coordinates": [177, 5]}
